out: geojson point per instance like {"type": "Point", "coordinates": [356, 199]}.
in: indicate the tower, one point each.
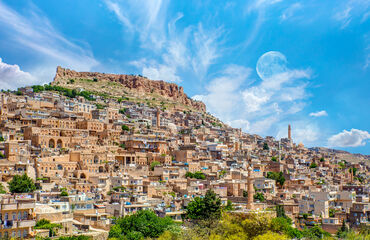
{"type": "Point", "coordinates": [158, 114]}
{"type": "Point", "coordinates": [289, 132]}
{"type": "Point", "coordinates": [250, 189]}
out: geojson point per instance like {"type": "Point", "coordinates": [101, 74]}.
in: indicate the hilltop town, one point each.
{"type": "Point", "coordinates": [99, 146]}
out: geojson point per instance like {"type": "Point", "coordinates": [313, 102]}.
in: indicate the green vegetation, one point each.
{"type": "Point", "coordinates": [228, 206]}
{"type": "Point", "coordinates": [99, 106]}
{"type": "Point", "coordinates": [140, 225]}
{"type": "Point", "coordinates": [277, 176]}
{"type": "Point", "coordinates": [2, 156]}
{"type": "Point", "coordinates": [266, 146]}
{"type": "Point", "coordinates": [206, 208]}
{"type": "Point", "coordinates": [222, 173]}
{"type": "Point", "coordinates": [2, 139]}
{"type": "Point", "coordinates": [72, 93]}
{"type": "Point", "coordinates": [45, 224]}
{"type": "Point", "coordinates": [322, 159]}
{"type": "Point", "coordinates": [353, 170]}
{"type": "Point", "coordinates": [64, 193]}
{"type": "Point", "coordinates": [154, 164]}
{"type": "Point", "coordinates": [2, 189]}
{"type": "Point", "coordinates": [125, 128]}
{"type": "Point", "coordinates": [259, 196]}
{"type": "Point", "coordinates": [122, 145]}
{"type": "Point", "coordinates": [119, 188]}
{"type": "Point", "coordinates": [313, 165]}
{"type": "Point", "coordinates": [274, 159]}
{"type": "Point", "coordinates": [21, 184]}
{"type": "Point", "coordinates": [197, 175]}
{"type": "Point", "coordinates": [122, 111]}
{"type": "Point", "coordinates": [342, 164]}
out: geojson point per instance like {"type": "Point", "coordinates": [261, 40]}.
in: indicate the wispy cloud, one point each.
{"type": "Point", "coordinates": [193, 48]}
{"type": "Point", "coordinates": [290, 11]}
{"type": "Point", "coordinates": [223, 93]}
{"type": "Point", "coordinates": [352, 138]}
{"type": "Point", "coordinates": [36, 33]}
{"type": "Point", "coordinates": [322, 113]}
{"type": "Point", "coordinates": [257, 106]}
{"type": "Point", "coordinates": [351, 10]}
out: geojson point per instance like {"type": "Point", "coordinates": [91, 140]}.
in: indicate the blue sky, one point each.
{"type": "Point", "coordinates": [258, 65]}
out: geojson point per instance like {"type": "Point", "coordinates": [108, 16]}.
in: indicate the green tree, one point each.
{"type": "Point", "coordinates": [2, 139]}
{"type": "Point", "coordinates": [2, 189]}
{"type": "Point", "coordinates": [322, 159]}
{"type": "Point", "coordinates": [142, 224]}
{"type": "Point", "coordinates": [189, 175]}
{"type": "Point", "coordinates": [199, 175]}
{"type": "Point", "coordinates": [274, 159]}
{"type": "Point", "coordinates": [280, 212]}
{"type": "Point", "coordinates": [46, 224]}
{"type": "Point", "coordinates": [154, 164]}
{"type": "Point", "coordinates": [313, 165]}
{"type": "Point", "coordinates": [353, 170]}
{"type": "Point", "coordinates": [259, 196]}
{"type": "Point", "coordinates": [277, 176]}
{"type": "Point", "coordinates": [266, 146]}
{"type": "Point", "coordinates": [207, 207]}
{"type": "Point", "coordinates": [125, 128]}
{"type": "Point", "coordinates": [64, 193]}
{"type": "Point", "coordinates": [228, 206]}
{"type": "Point", "coordinates": [21, 184]}
{"type": "Point", "coordinates": [342, 231]}
{"type": "Point", "coordinates": [315, 232]}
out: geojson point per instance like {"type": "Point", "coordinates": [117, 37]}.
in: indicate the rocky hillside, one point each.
{"type": "Point", "coordinates": [126, 85]}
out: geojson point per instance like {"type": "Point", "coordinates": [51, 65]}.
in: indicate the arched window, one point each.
{"type": "Point", "coordinates": [51, 143]}
{"type": "Point", "coordinates": [59, 143]}
{"type": "Point", "coordinates": [96, 159]}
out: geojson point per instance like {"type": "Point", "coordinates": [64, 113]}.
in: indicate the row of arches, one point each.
{"type": "Point", "coordinates": [59, 143]}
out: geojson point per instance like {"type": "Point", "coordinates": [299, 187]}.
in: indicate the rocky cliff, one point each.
{"type": "Point", "coordinates": [132, 83]}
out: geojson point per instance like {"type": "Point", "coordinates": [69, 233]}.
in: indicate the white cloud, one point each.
{"type": "Point", "coordinates": [12, 77]}
{"type": "Point", "coordinates": [290, 11]}
{"type": "Point", "coordinates": [350, 11]}
{"type": "Point", "coordinates": [344, 16]}
{"type": "Point", "coordinates": [206, 49]}
{"type": "Point", "coordinates": [223, 95]}
{"type": "Point", "coordinates": [322, 113]}
{"type": "Point", "coordinates": [280, 93]}
{"type": "Point", "coordinates": [258, 106]}
{"type": "Point", "coordinates": [240, 123]}
{"type": "Point", "coordinates": [193, 49]}
{"type": "Point", "coordinates": [161, 72]}
{"type": "Point", "coordinates": [114, 7]}
{"type": "Point", "coordinates": [302, 131]}
{"type": "Point", "coordinates": [352, 138]}
{"type": "Point", "coordinates": [35, 32]}
{"type": "Point", "coordinates": [146, 18]}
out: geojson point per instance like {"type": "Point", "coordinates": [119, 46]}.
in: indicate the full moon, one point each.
{"type": "Point", "coordinates": [270, 64]}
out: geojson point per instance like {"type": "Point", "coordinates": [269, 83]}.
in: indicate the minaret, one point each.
{"type": "Point", "coordinates": [250, 189]}
{"type": "Point", "coordinates": [158, 114]}
{"type": "Point", "coordinates": [289, 132]}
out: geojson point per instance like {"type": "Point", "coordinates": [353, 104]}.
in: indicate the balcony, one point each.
{"type": "Point", "coordinates": [26, 223]}
{"type": "Point", "coordinates": [26, 205]}
{"type": "Point", "coordinates": [12, 206]}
